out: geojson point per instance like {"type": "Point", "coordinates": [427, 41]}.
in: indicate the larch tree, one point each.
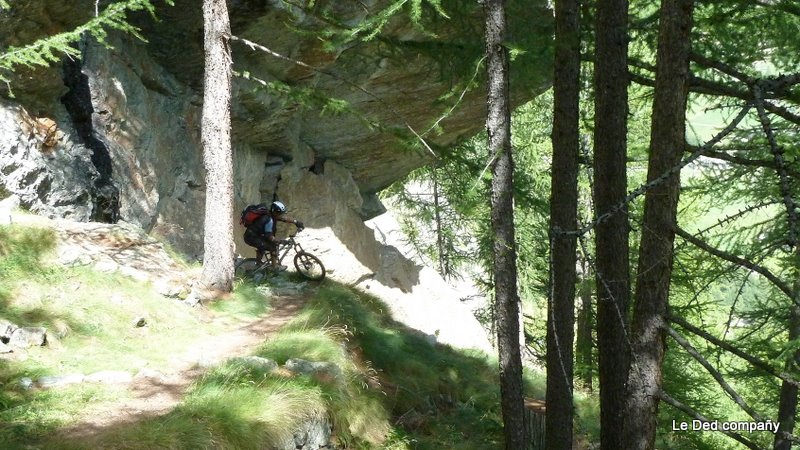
{"type": "Point", "coordinates": [498, 127]}
{"type": "Point", "coordinates": [563, 220]}
{"type": "Point", "coordinates": [667, 140]}
{"type": "Point", "coordinates": [610, 189]}
{"type": "Point", "coordinates": [218, 246]}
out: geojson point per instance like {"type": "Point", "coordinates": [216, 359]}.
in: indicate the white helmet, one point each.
{"type": "Point", "coordinates": [278, 207]}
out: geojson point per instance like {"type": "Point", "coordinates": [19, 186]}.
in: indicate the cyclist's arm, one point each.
{"type": "Point", "coordinates": [294, 222]}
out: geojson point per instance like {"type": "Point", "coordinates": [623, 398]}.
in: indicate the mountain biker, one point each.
{"type": "Point", "coordinates": [261, 234]}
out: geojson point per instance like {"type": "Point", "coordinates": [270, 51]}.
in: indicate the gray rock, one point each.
{"type": "Point", "coordinates": [28, 337]}
{"type": "Point", "coordinates": [26, 383]}
{"type": "Point", "coordinates": [263, 364]}
{"type": "Point", "coordinates": [313, 434]}
{"type": "Point", "coordinates": [139, 322]}
{"type": "Point", "coordinates": [323, 371]}
{"type": "Point", "coordinates": [60, 380]}
{"type": "Point", "coordinates": [6, 330]}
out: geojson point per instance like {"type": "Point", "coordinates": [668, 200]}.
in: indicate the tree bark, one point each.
{"type": "Point", "coordinates": [787, 407]}
{"type": "Point", "coordinates": [217, 156]}
{"type": "Point", "coordinates": [498, 126]}
{"type": "Point", "coordinates": [611, 237]}
{"type": "Point", "coordinates": [583, 333]}
{"type": "Point", "coordinates": [667, 139]}
{"type": "Point", "coordinates": [563, 217]}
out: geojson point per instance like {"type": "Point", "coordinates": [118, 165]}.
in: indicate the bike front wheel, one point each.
{"type": "Point", "coordinates": [309, 266]}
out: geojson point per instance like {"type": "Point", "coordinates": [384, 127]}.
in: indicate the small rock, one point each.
{"type": "Point", "coordinates": [192, 300]}
{"type": "Point", "coordinates": [264, 364]}
{"type": "Point", "coordinates": [149, 373]}
{"type": "Point", "coordinates": [28, 337]}
{"type": "Point", "coordinates": [139, 322]}
{"type": "Point", "coordinates": [169, 289]}
{"type": "Point", "coordinates": [109, 377]}
{"type": "Point", "coordinates": [58, 381]}
{"type": "Point", "coordinates": [26, 383]}
{"type": "Point", "coordinates": [6, 330]}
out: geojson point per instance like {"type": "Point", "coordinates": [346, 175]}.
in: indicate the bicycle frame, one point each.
{"type": "Point", "coordinates": [292, 245]}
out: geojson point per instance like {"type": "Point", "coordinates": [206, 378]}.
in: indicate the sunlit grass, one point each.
{"type": "Point", "coordinates": [396, 389]}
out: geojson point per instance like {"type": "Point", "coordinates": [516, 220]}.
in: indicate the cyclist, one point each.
{"type": "Point", "coordinates": [261, 234]}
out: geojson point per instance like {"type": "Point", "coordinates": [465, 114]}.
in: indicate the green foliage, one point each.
{"type": "Point", "coordinates": [51, 49]}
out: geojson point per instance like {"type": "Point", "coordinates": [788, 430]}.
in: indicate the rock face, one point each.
{"type": "Point", "coordinates": [115, 135]}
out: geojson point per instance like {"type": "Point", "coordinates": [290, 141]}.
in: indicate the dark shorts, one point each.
{"type": "Point", "coordinates": [259, 241]}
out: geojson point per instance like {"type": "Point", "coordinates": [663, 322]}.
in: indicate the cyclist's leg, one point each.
{"type": "Point", "coordinates": [260, 243]}
{"type": "Point", "coordinates": [273, 254]}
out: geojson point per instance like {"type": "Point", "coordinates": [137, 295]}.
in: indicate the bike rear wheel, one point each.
{"type": "Point", "coordinates": [246, 268]}
{"type": "Point", "coordinates": [309, 266]}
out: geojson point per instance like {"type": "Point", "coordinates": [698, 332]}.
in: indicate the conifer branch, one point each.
{"type": "Point", "coordinates": [695, 415]}
{"type": "Point", "coordinates": [716, 88]}
{"type": "Point", "coordinates": [756, 362]}
{"type": "Point", "coordinates": [780, 165]}
{"type": "Point", "coordinates": [777, 282]}
{"type": "Point", "coordinates": [738, 160]}
{"type": "Point", "coordinates": [714, 373]}
{"type": "Point", "coordinates": [740, 213]}
{"type": "Point", "coordinates": [633, 195]}
{"type": "Point", "coordinates": [51, 49]}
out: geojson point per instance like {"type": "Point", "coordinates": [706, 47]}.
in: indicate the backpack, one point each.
{"type": "Point", "coordinates": [253, 213]}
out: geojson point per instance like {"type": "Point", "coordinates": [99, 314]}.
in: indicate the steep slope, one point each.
{"type": "Point", "coordinates": [381, 385]}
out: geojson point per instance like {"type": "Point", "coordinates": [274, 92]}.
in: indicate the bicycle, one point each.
{"type": "Point", "coordinates": [306, 264]}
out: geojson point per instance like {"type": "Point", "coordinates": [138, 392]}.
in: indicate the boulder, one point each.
{"type": "Point", "coordinates": [326, 372]}
{"type": "Point", "coordinates": [28, 337]}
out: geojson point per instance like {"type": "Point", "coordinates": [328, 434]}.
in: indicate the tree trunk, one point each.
{"type": "Point", "coordinates": [787, 408]}
{"type": "Point", "coordinates": [667, 140]}
{"type": "Point", "coordinates": [583, 333]}
{"type": "Point", "coordinates": [217, 156]}
{"type": "Point", "coordinates": [563, 218]}
{"type": "Point", "coordinates": [613, 265]}
{"type": "Point", "coordinates": [498, 127]}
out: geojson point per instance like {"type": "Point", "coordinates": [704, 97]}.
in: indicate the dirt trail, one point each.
{"type": "Point", "coordinates": [166, 387]}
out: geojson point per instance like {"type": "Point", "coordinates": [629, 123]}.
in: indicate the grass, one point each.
{"type": "Point", "coordinates": [397, 390]}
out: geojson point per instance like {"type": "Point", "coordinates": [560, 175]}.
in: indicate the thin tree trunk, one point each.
{"type": "Point", "coordinates": [667, 140]}
{"type": "Point", "coordinates": [437, 207]}
{"type": "Point", "coordinates": [498, 126]}
{"type": "Point", "coordinates": [612, 261]}
{"type": "Point", "coordinates": [583, 334]}
{"type": "Point", "coordinates": [787, 408]}
{"type": "Point", "coordinates": [563, 217]}
{"type": "Point", "coordinates": [217, 156]}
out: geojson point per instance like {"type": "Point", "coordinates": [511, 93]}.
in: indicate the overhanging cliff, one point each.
{"type": "Point", "coordinates": [135, 108]}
